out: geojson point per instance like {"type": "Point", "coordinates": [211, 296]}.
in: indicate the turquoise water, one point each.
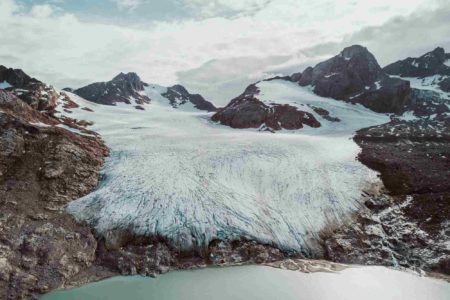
{"type": "Point", "coordinates": [263, 283]}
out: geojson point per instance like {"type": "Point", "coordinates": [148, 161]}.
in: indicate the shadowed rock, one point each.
{"type": "Point", "coordinates": [124, 88]}
{"type": "Point", "coordinates": [431, 63]}
{"type": "Point", "coordinates": [178, 95]}
{"type": "Point", "coordinates": [32, 91]}
{"type": "Point", "coordinates": [354, 75]}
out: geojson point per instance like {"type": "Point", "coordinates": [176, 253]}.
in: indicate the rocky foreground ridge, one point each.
{"type": "Point", "coordinates": [42, 167]}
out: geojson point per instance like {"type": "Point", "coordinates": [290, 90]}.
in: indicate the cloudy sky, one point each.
{"type": "Point", "coordinates": [214, 47]}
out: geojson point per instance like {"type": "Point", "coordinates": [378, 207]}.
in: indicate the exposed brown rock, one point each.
{"type": "Point", "coordinates": [42, 168]}
{"type": "Point", "coordinates": [409, 225]}
{"type": "Point", "coordinates": [247, 111]}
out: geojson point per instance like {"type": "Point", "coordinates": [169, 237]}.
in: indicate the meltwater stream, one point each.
{"type": "Point", "coordinates": [264, 283]}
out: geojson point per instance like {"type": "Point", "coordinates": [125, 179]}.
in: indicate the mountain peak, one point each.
{"type": "Point", "coordinates": [16, 77]}
{"type": "Point", "coordinates": [130, 76]}
{"type": "Point", "coordinates": [438, 51]}
{"type": "Point", "coordinates": [179, 95]}
{"type": "Point", "coordinates": [125, 87]}
{"type": "Point", "coordinates": [351, 51]}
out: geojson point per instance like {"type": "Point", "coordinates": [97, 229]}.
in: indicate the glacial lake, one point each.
{"type": "Point", "coordinates": [263, 283]}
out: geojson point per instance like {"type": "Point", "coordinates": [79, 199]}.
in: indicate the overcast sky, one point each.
{"type": "Point", "coordinates": [214, 47]}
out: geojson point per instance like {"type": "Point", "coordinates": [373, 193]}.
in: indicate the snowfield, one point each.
{"type": "Point", "coordinates": [174, 173]}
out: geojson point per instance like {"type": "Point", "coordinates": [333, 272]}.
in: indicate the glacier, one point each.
{"type": "Point", "coordinates": [176, 174]}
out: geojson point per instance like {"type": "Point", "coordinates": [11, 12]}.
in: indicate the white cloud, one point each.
{"type": "Point", "coordinates": [210, 8]}
{"type": "Point", "coordinates": [128, 4]}
{"type": "Point", "coordinates": [7, 8]}
{"type": "Point", "coordinates": [41, 11]}
{"type": "Point", "coordinates": [63, 50]}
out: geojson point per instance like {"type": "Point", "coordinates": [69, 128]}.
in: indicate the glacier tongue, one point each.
{"type": "Point", "coordinates": [175, 174]}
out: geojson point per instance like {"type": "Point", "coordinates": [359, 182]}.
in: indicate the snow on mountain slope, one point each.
{"type": "Point", "coordinates": [175, 174]}
{"type": "Point", "coordinates": [4, 85]}
{"type": "Point", "coordinates": [430, 83]}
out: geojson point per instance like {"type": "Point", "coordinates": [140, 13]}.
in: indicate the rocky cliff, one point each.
{"type": "Point", "coordinates": [247, 111]}
{"type": "Point", "coordinates": [354, 75]}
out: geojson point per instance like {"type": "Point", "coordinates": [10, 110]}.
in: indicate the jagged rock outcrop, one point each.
{"type": "Point", "coordinates": [35, 93]}
{"type": "Point", "coordinates": [427, 103]}
{"type": "Point", "coordinates": [408, 226]}
{"type": "Point", "coordinates": [343, 75]}
{"type": "Point", "coordinates": [247, 111]}
{"type": "Point", "coordinates": [388, 95]}
{"type": "Point", "coordinates": [124, 88]}
{"type": "Point", "coordinates": [178, 95]}
{"type": "Point", "coordinates": [431, 63]}
{"type": "Point", "coordinates": [354, 75]}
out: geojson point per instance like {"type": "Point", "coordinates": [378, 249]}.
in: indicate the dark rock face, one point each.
{"type": "Point", "coordinates": [429, 64]}
{"type": "Point", "coordinates": [122, 88]}
{"type": "Point", "coordinates": [389, 95]}
{"type": "Point", "coordinates": [354, 75]}
{"type": "Point", "coordinates": [347, 73]}
{"type": "Point", "coordinates": [32, 91]}
{"type": "Point", "coordinates": [247, 111]}
{"type": "Point", "coordinates": [42, 168]}
{"type": "Point", "coordinates": [445, 85]}
{"type": "Point", "coordinates": [409, 225]}
{"type": "Point", "coordinates": [16, 77]}
{"type": "Point", "coordinates": [427, 103]}
{"type": "Point", "coordinates": [178, 95]}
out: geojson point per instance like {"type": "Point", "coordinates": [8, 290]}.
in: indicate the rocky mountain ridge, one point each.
{"type": "Point", "coordinates": [354, 75]}
{"type": "Point", "coordinates": [130, 89]}
{"type": "Point", "coordinates": [435, 62]}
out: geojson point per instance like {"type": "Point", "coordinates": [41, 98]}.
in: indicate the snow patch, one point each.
{"type": "Point", "coordinates": [378, 85]}
{"type": "Point", "coordinates": [5, 84]}
{"type": "Point", "coordinates": [430, 83]}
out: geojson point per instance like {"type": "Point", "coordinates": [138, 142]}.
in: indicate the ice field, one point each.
{"type": "Point", "coordinates": [176, 174]}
